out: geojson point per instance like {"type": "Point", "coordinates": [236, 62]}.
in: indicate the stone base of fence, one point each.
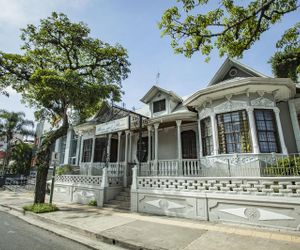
{"type": "Point", "coordinates": [260, 201]}
{"type": "Point", "coordinates": [275, 212]}
{"type": "Point", "coordinates": [84, 189]}
{"type": "Point", "coordinates": [82, 194]}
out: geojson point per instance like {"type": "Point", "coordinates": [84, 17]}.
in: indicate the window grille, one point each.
{"type": "Point", "coordinates": [266, 131]}
{"type": "Point", "coordinates": [233, 132]}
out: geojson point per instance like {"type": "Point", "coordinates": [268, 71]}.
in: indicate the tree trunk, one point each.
{"type": "Point", "coordinates": [40, 186]}
{"type": "Point", "coordinates": [43, 161]}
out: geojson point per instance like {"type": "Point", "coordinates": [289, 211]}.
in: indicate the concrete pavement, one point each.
{"type": "Point", "coordinates": [141, 231]}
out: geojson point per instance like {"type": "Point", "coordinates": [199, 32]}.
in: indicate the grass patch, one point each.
{"type": "Point", "coordinates": [92, 203]}
{"type": "Point", "coordinates": [41, 208]}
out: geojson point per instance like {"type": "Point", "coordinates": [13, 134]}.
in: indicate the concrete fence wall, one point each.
{"type": "Point", "coordinates": [269, 201]}
{"type": "Point", "coordinates": [83, 188]}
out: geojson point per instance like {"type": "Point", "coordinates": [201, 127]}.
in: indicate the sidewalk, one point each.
{"type": "Point", "coordinates": [141, 231]}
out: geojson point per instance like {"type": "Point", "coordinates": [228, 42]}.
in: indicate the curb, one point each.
{"type": "Point", "coordinates": [83, 232]}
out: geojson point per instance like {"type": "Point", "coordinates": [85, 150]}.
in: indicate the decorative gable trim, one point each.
{"type": "Point", "coordinates": [230, 106]}
{"type": "Point", "coordinates": [229, 64]}
{"type": "Point", "coordinates": [205, 113]}
{"type": "Point", "coordinates": [262, 101]}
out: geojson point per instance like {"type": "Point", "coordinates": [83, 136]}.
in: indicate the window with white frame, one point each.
{"type": "Point", "coordinates": [266, 131]}
{"type": "Point", "coordinates": [234, 132]}
{"type": "Point", "coordinates": [206, 136]}
{"type": "Point", "coordinates": [159, 106]}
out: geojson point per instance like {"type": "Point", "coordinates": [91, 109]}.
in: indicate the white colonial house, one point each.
{"type": "Point", "coordinates": [228, 152]}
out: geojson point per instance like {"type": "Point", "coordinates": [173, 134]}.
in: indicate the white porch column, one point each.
{"type": "Point", "coordinates": [200, 139]}
{"type": "Point", "coordinates": [93, 150]}
{"type": "Point", "coordinates": [281, 138]}
{"type": "Point", "coordinates": [253, 131]}
{"type": "Point", "coordinates": [179, 150]}
{"type": "Point", "coordinates": [68, 145]}
{"type": "Point", "coordinates": [149, 143]}
{"type": "Point", "coordinates": [119, 147]}
{"type": "Point", "coordinates": [108, 148]}
{"type": "Point", "coordinates": [78, 149]}
{"type": "Point", "coordinates": [214, 133]}
{"type": "Point", "coordinates": [156, 125]}
{"type": "Point", "coordinates": [126, 158]}
{"type": "Point", "coordinates": [130, 147]}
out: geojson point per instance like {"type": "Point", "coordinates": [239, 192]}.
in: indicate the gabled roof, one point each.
{"type": "Point", "coordinates": [227, 65]}
{"type": "Point", "coordinates": [154, 90]}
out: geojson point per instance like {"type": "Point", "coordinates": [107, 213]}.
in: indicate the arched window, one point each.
{"type": "Point", "coordinates": [188, 144]}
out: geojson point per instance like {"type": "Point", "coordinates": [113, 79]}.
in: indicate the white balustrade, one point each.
{"type": "Point", "coordinates": [191, 167]}
{"type": "Point", "coordinates": [167, 167]}
{"type": "Point", "coordinates": [262, 186]}
{"type": "Point", "coordinates": [79, 179]}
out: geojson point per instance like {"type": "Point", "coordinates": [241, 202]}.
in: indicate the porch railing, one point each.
{"type": "Point", "coordinates": [233, 165]}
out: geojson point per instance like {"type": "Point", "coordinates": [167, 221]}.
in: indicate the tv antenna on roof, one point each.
{"type": "Point", "coordinates": [157, 78]}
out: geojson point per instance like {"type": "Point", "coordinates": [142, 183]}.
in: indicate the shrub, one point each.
{"type": "Point", "coordinates": [41, 208]}
{"type": "Point", "coordinates": [65, 169]}
{"type": "Point", "coordinates": [92, 203]}
{"type": "Point", "coordinates": [287, 166]}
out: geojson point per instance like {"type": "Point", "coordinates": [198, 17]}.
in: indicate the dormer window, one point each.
{"type": "Point", "coordinates": [159, 106]}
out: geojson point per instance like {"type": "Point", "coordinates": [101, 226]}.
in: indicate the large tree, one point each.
{"type": "Point", "coordinates": [12, 126]}
{"type": "Point", "coordinates": [286, 61]}
{"type": "Point", "coordinates": [231, 26]}
{"type": "Point", "coordinates": [63, 69]}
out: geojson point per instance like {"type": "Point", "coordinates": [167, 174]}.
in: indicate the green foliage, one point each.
{"type": "Point", "coordinates": [286, 63]}
{"type": "Point", "coordinates": [62, 69]}
{"type": "Point", "coordinates": [229, 26]}
{"type": "Point", "coordinates": [41, 208]}
{"type": "Point", "coordinates": [291, 161]}
{"type": "Point", "coordinates": [21, 156]}
{"type": "Point", "coordinates": [65, 169]}
{"type": "Point", "coordinates": [92, 203]}
{"type": "Point", "coordinates": [14, 124]}
{"type": "Point", "coordinates": [287, 166]}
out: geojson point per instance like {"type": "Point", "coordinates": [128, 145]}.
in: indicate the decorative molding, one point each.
{"type": "Point", "coordinates": [229, 106]}
{"type": "Point", "coordinates": [256, 214]}
{"type": "Point", "coordinates": [165, 204]}
{"type": "Point", "coordinates": [205, 113]}
{"type": "Point", "coordinates": [84, 194]}
{"type": "Point", "coordinates": [262, 101]}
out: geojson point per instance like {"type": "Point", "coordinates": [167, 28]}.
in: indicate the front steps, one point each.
{"type": "Point", "coordinates": [121, 201]}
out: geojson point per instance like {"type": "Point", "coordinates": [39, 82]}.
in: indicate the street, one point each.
{"type": "Point", "coordinates": [17, 234]}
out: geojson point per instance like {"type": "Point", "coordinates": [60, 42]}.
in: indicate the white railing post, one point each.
{"type": "Point", "coordinates": [134, 191]}
{"type": "Point", "coordinates": [104, 182]}
{"type": "Point", "coordinates": [134, 179]}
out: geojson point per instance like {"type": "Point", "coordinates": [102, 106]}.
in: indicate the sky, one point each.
{"type": "Point", "coordinates": [133, 24]}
